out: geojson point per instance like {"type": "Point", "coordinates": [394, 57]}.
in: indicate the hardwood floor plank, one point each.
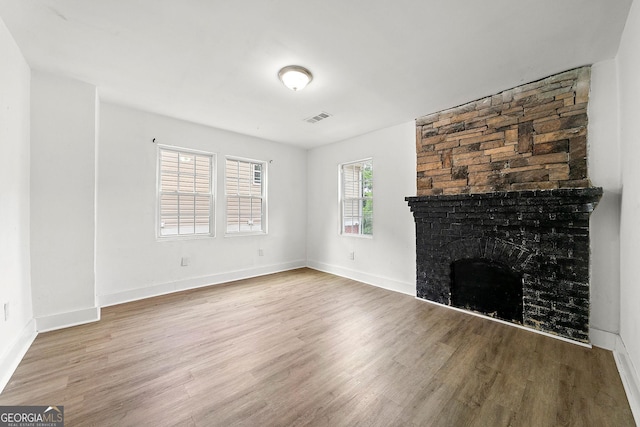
{"type": "Point", "coordinates": [305, 348]}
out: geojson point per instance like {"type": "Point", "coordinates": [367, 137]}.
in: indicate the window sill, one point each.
{"type": "Point", "coordinates": [246, 233]}
{"type": "Point", "coordinates": [357, 236]}
{"type": "Point", "coordinates": [188, 237]}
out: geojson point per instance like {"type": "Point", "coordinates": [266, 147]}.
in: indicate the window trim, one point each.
{"type": "Point", "coordinates": [341, 199]}
{"type": "Point", "coordinates": [213, 167]}
{"type": "Point", "coordinates": [264, 187]}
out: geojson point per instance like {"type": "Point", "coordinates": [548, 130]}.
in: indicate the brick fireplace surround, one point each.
{"type": "Point", "coordinates": [504, 180]}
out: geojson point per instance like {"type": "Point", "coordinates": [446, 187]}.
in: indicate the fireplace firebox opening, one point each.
{"type": "Point", "coordinates": [488, 287]}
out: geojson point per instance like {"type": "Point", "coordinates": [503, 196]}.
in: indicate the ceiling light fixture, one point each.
{"type": "Point", "coordinates": [295, 77]}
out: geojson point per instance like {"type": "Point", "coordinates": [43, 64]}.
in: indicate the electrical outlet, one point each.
{"type": "Point", "coordinates": [260, 252]}
{"type": "Point", "coordinates": [185, 261]}
{"type": "Point", "coordinates": [352, 255]}
{"type": "Point", "coordinates": [6, 311]}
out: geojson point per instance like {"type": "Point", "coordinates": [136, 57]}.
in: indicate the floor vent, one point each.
{"type": "Point", "coordinates": [315, 119]}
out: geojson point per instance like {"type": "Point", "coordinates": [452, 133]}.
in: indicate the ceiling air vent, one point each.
{"type": "Point", "coordinates": [315, 119]}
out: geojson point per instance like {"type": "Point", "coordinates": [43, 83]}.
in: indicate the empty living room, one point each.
{"type": "Point", "coordinates": [284, 213]}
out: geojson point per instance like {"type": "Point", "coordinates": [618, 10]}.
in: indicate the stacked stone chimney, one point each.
{"type": "Point", "coordinates": [533, 137]}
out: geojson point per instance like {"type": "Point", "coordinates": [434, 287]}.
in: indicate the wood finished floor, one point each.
{"type": "Point", "coordinates": [307, 348]}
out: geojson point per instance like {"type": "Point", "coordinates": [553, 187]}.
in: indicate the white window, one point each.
{"type": "Point", "coordinates": [245, 189]}
{"type": "Point", "coordinates": [356, 191]}
{"type": "Point", "coordinates": [185, 193]}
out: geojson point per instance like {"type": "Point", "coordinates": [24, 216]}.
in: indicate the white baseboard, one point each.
{"type": "Point", "coordinates": [603, 339]}
{"type": "Point", "coordinates": [408, 288]}
{"type": "Point", "coordinates": [12, 357]}
{"type": "Point", "coordinates": [193, 283]}
{"type": "Point", "coordinates": [65, 320]}
{"type": "Point", "coordinates": [629, 376]}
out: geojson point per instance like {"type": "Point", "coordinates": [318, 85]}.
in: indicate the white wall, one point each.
{"type": "Point", "coordinates": [629, 84]}
{"type": "Point", "coordinates": [17, 331]}
{"type": "Point", "coordinates": [131, 263]}
{"type": "Point", "coordinates": [388, 259]}
{"type": "Point", "coordinates": [604, 171]}
{"type": "Point", "coordinates": [63, 131]}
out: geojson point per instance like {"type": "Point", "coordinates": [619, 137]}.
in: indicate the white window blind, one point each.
{"type": "Point", "coordinates": [185, 205]}
{"type": "Point", "coordinates": [356, 190]}
{"type": "Point", "coordinates": [257, 173]}
{"type": "Point", "coordinates": [245, 194]}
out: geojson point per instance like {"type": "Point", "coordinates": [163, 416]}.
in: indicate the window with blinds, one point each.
{"type": "Point", "coordinates": [185, 193]}
{"type": "Point", "coordinates": [356, 197]}
{"type": "Point", "coordinates": [245, 190]}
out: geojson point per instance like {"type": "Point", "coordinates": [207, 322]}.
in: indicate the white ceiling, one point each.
{"type": "Point", "coordinates": [376, 63]}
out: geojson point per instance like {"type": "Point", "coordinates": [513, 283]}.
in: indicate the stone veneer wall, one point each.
{"type": "Point", "coordinates": [532, 137]}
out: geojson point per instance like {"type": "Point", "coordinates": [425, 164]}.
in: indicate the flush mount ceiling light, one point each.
{"type": "Point", "coordinates": [295, 77]}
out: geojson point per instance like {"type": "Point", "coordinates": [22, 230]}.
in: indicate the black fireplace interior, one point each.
{"type": "Point", "coordinates": [488, 287]}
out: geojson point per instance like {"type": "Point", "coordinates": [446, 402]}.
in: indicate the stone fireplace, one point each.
{"type": "Point", "coordinates": [503, 205]}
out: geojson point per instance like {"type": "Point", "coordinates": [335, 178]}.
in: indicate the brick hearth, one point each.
{"type": "Point", "coordinates": [542, 235]}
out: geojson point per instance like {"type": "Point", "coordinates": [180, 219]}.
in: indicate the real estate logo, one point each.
{"type": "Point", "coordinates": [31, 416]}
